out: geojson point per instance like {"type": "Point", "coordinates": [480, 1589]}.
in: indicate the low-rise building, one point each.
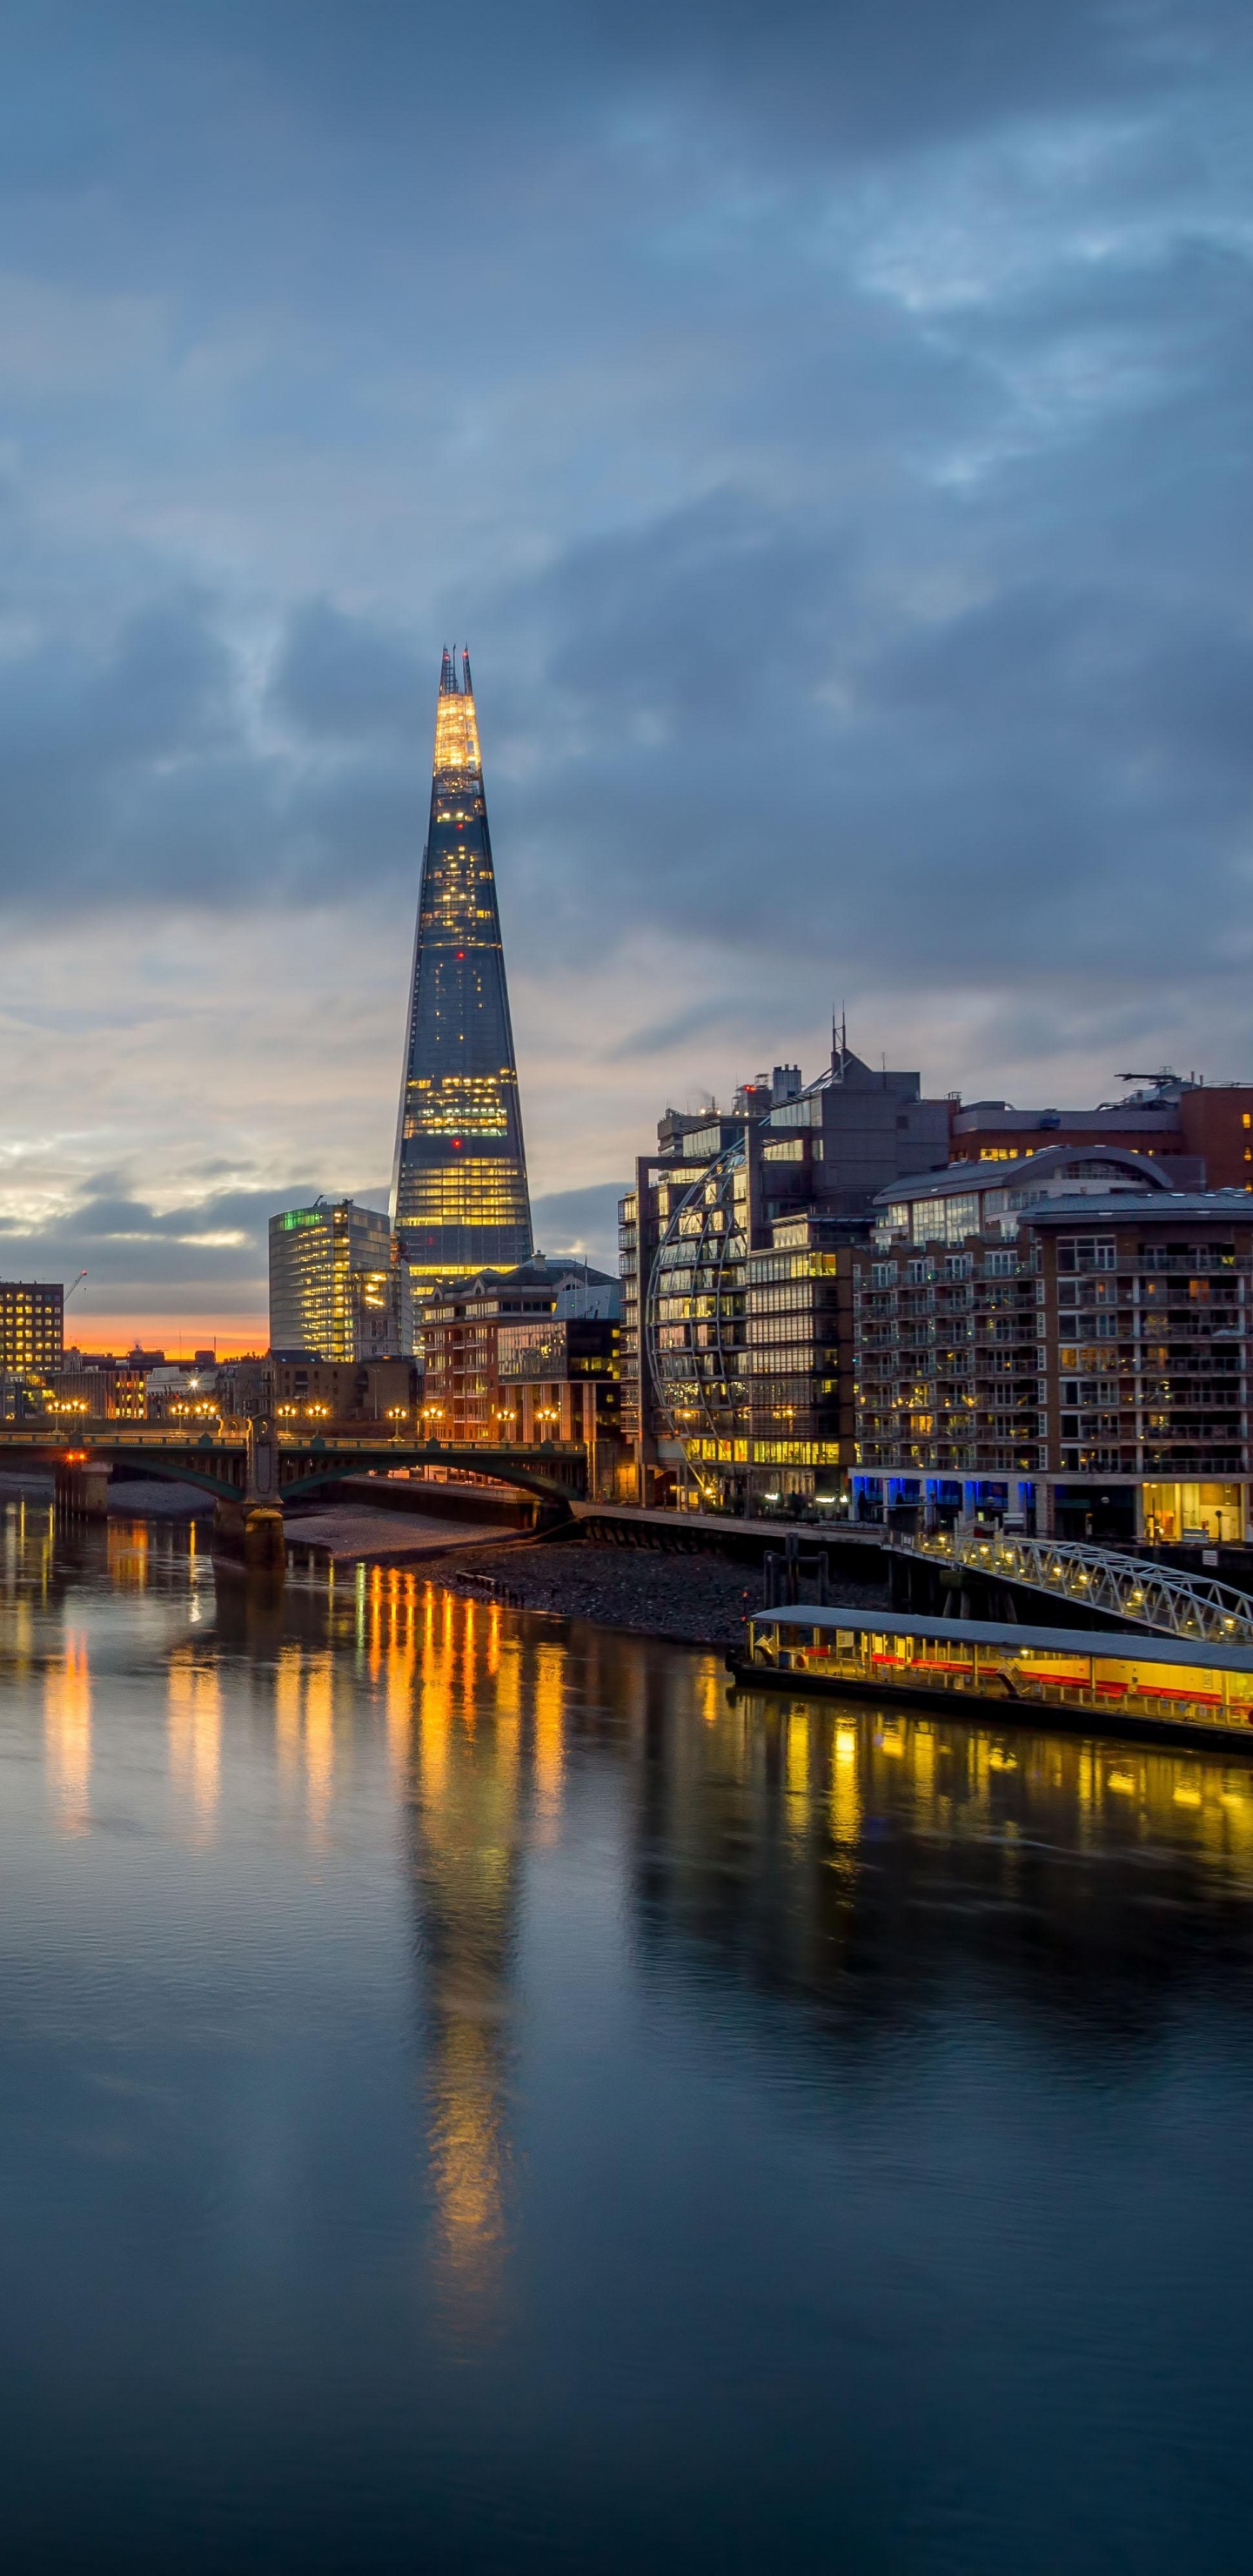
{"type": "Point", "coordinates": [300, 1390]}
{"type": "Point", "coordinates": [559, 1378]}
{"type": "Point", "coordinates": [462, 1329]}
{"type": "Point", "coordinates": [97, 1386]}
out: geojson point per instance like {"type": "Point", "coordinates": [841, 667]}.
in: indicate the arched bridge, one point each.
{"type": "Point", "coordinates": [247, 1462]}
{"type": "Point", "coordinates": [1130, 1589]}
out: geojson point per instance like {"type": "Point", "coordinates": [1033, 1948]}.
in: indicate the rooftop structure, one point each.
{"type": "Point", "coordinates": [1200, 1132]}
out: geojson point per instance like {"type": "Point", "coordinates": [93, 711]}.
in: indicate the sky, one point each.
{"type": "Point", "coordinates": [829, 427]}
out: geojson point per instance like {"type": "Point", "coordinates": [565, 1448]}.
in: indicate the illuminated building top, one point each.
{"type": "Point", "coordinates": [460, 1188]}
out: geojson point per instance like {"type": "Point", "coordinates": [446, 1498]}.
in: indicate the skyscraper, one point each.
{"type": "Point", "coordinates": [337, 1285]}
{"type": "Point", "coordinates": [459, 1190]}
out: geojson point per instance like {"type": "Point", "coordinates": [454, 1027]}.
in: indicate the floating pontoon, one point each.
{"type": "Point", "coordinates": [1149, 1683]}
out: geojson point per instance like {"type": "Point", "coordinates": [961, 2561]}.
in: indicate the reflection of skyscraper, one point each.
{"type": "Point", "coordinates": [459, 1190]}
{"type": "Point", "coordinates": [466, 1782]}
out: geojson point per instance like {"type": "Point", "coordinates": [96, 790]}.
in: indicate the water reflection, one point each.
{"type": "Point", "coordinates": [67, 1733]}
{"type": "Point", "coordinates": [195, 1732]}
{"type": "Point", "coordinates": [469, 1981]}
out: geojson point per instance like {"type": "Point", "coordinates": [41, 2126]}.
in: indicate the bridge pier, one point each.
{"type": "Point", "coordinates": [251, 1524]}
{"type": "Point", "coordinates": [242, 1526]}
{"type": "Point", "coordinates": [81, 1491]}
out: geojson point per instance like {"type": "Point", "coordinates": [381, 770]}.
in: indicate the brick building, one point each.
{"type": "Point", "coordinates": [515, 1347]}
{"type": "Point", "coordinates": [1069, 1349]}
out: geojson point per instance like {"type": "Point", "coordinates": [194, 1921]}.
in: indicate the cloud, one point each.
{"type": "Point", "coordinates": [828, 428]}
{"type": "Point", "coordinates": [337, 677]}
{"type": "Point", "coordinates": [583, 1221]}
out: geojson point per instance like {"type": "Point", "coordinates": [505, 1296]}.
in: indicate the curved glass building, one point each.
{"type": "Point", "coordinates": [459, 1194]}
{"type": "Point", "coordinates": [694, 1316]}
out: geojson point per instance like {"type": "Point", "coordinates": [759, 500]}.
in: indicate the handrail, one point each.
{"type": "Point", "coordinates": [1133, 1587]}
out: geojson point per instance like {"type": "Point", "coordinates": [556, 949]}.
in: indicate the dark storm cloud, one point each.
{"type": "Point", "coordinates": [828, 423]}
{"type": "Point", "coordinates": [338, 678]}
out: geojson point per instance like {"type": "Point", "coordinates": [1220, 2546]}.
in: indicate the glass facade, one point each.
{"type": "Point", "coordinates": [460, 1195]}
{"type": "Point", "coordinates": [335, 1289]}
{"type": "Point", "coordinates": [696, 1316]}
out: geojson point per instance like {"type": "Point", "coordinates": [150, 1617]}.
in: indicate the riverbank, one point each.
{"type": "Point", "coordinates": [699, 1600]}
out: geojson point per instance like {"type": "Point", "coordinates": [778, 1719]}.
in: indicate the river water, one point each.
{"type": "Point", "coordinates": [475, 2095]}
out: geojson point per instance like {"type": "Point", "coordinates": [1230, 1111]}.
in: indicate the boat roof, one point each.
{"type": "Point", "coordinates": [985, 1632]}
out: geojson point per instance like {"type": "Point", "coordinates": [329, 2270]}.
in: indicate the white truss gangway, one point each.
{"type": "Point", "coordinates": [1155, 1596]}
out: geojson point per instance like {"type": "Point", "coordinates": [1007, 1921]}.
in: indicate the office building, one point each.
{"type": "Point", "coordinates": [1065, 1342]}
{"type": "Point", "coordinates": [734, 1246]}
{"type": "Point", "coordinates": [337, 1283]}
{"type": "Point", "coordinates": [32, 1315]}
{"type": "Point", "coordinates": [460, 1201]}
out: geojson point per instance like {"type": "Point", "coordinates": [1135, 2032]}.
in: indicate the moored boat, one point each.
{"type": "Point", "coordinates": [1147, 1684]}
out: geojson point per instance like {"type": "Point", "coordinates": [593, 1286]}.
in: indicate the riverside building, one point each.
{"type": "Point", "coordinates": [338, 1286]}
{"type": "Point", "coordinates": [525, 1355]}
{"type": "Point", "coordinates": [735, 1250]}
{"type": "Point", "coordinates": [1063, 1343]}
{"type": "Point", "coordinates": [459, 1193]}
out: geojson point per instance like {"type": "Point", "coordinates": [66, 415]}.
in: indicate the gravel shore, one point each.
{"type": "Point", "coordinates": [700, 1599]}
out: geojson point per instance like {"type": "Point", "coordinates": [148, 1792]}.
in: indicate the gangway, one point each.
{"type": "Point", "coordinates": [1154, 1596]}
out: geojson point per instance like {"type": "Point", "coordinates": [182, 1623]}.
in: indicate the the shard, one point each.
{"type": "Point", "coordinates": [459, 1197]}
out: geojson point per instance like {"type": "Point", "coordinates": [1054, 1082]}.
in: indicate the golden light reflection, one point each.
{"type": "Point", "coordinates": [128, 1544]}
{"type": "Point", "coordinates": [844, 1802]}
{"type": "Point", "coordinates": [194, 1693]}
{"type": "Point", "coordinates": [711, 1689]}
{"type": "Point", "coordinates": [319, 1738]}
{"type": "Point", "coordinates": [401, 1672]}
{"type": "Point", "coordinates": [549, 1734]}
{"type": "Point", "coordinates": [486, 1698]}
{"type": "Point", "coordinates": [287, 1690]}
{"type": "Point", "coordinates": [304, 1727]}
{"type": "Point", "coordinates": [974, 1782]}
{"type": "Point", "coordinates": [796, 1768]}
{"type": "Point", "coordinates": [465, 2145]}
{"type": "Point", "coordinates": [67, 1735]}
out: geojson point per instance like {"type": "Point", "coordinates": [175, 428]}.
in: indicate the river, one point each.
{"type": "Point", "coordinates": [476, 2095]}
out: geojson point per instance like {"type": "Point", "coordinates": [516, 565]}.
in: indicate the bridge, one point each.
{"type": "Point", "coordinates": [249, 1465]}
{"type": "Point", "coordinates": [1135, 1590]}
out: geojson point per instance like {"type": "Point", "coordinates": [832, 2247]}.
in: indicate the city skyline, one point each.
{"type": "Point", "coordinates": [838, 473]}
